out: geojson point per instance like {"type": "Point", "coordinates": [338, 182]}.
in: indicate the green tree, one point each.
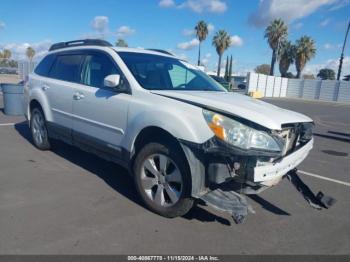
{"type": "Point", "coordinates": [30, 52]}
{"type": "Point", "coordinates": [308, 76]}
{"type": "Point", "coordinates": [286, 56]}
{"type": "Point", "coordinates": [121, 43]}
{"type": "Point", "coordinates": [305, 50]}
{"type": "Point", "coordinates": [230, 70]}
{"type": "Point", "coordinates": [221, 41]}
{"type": "Point", "coordinates": [226, 69]}
{"type": "Point", "coordinates": [201, 33]}
{"type": "Point", "coordinates": [6, 54]}
{"type": "Point", "coordinates": [13, 63]}
{"type": "Point", "coordinates": [326, 74]}
{"type": "Point", "coordinates": [263, 69]}
{"type": "Point", "coordinates": [275, 33]}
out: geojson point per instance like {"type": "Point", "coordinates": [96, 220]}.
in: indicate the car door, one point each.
{"type": "Point", "coordinates": [63, 76]}
{"type": "Point", "coordinates": [100, 113]}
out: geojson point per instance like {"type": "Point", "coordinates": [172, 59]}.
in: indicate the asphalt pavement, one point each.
{"type": "Point", "coordinates": [67, 201]}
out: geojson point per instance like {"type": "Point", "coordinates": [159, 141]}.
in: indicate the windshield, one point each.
{"type": "Point", "coordinates": [155, 72]}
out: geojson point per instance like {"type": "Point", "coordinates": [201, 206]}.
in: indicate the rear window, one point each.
{"type": "Point", "coordinates": [44, 66]}
{"type": "Point", "coordinates": [67, 68]}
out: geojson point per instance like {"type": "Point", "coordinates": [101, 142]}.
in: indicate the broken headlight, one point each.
{"type": "Point", "coordinates": [238, 134]}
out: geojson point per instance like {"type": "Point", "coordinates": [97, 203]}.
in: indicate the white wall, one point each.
{"type": "Point", "coordinates": [268, 86]}
{"type": "Point", "coordinates": [275, 86]}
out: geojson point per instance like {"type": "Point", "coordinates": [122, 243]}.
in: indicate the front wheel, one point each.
{"type": "Point", "coordinates": [163, 180]}
{"type": "Point", "coordinates": [39, 130]}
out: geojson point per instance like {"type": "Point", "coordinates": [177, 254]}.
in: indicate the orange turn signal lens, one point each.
{"type": "Point", "coordinates": [218, 130]}
{"type": "Point", "coordinates": [216, 127]}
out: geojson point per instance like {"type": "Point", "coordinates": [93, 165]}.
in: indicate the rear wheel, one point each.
{"type": "Point", "coordinates": [39, 129]}
{"type": "Point", "coordinates": [163, 180]}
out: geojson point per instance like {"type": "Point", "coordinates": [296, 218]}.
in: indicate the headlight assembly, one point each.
{"type": "Point", "coordinates": [238, 134]}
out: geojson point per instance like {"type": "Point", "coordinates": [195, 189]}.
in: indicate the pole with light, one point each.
{"type": "Point", "coordinates": [342, 53]}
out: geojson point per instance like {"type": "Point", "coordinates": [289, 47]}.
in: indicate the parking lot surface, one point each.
{"type": "Point", "coordinates": [67, 201]}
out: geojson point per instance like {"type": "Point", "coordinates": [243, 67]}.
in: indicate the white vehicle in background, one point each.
{"type": "Point", "coordinates": [181, 135]}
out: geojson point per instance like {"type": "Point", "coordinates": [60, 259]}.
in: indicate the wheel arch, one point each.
{"type": "Point", "coordinates": [33, 104]}
{"type": "Point", "coordinates": [193, 163]}
{"type": "Point", "coordinates": [37, 100]}
{"type": "Point", "coordinates": [152, 134]}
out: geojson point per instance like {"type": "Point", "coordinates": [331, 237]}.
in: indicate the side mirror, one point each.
{"type": "Point", "coordinates": [112, 81]}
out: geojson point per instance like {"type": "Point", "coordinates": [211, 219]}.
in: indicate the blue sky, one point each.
{"type": "Point", "coordinates": [168, 24]}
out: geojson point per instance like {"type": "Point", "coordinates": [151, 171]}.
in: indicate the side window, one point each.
{"type": "Point", "coordinates": [44, 66]}
{"type": "Point", "coordinates": [67, 68]}
{"type": "Point", "coordinates": [180, 76]}
{"type": "Point", "coordinates": [96, 67]}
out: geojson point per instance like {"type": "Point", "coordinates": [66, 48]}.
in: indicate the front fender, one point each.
{"type": "Point", "coordinates": [192, 128]}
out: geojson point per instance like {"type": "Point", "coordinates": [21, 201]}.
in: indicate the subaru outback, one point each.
{"type": "Point", "coordinates": [180, 134]}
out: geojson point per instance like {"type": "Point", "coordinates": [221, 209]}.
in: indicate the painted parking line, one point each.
{"type": "Point", "coordinates": [324, 178]}
{"type": "Point", "coordinates": [7, 124]}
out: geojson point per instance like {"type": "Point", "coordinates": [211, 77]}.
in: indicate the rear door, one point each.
{"type": "Point", "coordinates": [59, 88]}
{"type": "Point", "coordinates": [100, 113]}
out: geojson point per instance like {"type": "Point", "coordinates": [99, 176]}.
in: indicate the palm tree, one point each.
{"type": "Point", "coordinates": [305, 50]}
{"type": "Point", "coordinates": [121, 43]}
{"type": "Point", "coordinates": [275, 33]}
{"type": "Point", "coordinates": [6, 54]}
{"type": "Point", "coordinates": [201, 33]}
{"type": "Point", "coordinates": [221, 41]}
{"type": "Point", "coordinates": [30, 52]}
{"type": "Point", "coordinates": [286, 56]}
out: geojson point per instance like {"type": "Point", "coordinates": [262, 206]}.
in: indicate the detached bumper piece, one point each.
{"type": "Point", "coordinates": [319, 201]}
{"type": "Point", "coordinates": [229, 201]}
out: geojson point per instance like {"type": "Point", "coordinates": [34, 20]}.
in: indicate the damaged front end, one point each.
{"type": "Point", "coordinates": [231, 170]}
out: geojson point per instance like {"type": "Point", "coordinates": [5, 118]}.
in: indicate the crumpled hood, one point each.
{"type": "Point", "coordinates": [243, 106]}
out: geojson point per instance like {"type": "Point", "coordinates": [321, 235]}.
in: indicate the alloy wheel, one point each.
{"type": "Point", "coordinates": [39, 130]}
{"type": "Point", "coordinates": [161, 180]}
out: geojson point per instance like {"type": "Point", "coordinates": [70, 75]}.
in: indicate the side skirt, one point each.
{"type": "Point", "coordinates": [90, 144]}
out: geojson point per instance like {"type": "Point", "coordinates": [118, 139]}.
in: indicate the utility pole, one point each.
{"type": "Point", "coordinates": [342, 53]}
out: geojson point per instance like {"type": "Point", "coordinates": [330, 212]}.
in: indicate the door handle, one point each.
{"type": "Point", "coordinates": [45, 87]}
{"type": "Point", "coordinates": [78, 96]}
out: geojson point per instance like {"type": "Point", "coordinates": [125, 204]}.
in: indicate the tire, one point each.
{"type": "Point", "coordinates": [38, 128]}
{"type": "Point", "coordinates": [166, 182]}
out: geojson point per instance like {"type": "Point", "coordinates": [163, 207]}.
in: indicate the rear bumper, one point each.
{"type": "Point", "coordinates": [274, 171]}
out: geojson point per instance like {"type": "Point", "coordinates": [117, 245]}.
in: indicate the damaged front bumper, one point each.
{"type": "Point", "coordinates": [221, 174]}
{"type": "Point", "coordinates": [215, 163]}
{"type": "Point", "coordinates": [274, 171]}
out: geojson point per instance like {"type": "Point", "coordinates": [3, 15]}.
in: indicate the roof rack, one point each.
{"type": "Point", "coordinates": [82, 42]}
{"type": "Point", "coordinates": [160, 51]}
